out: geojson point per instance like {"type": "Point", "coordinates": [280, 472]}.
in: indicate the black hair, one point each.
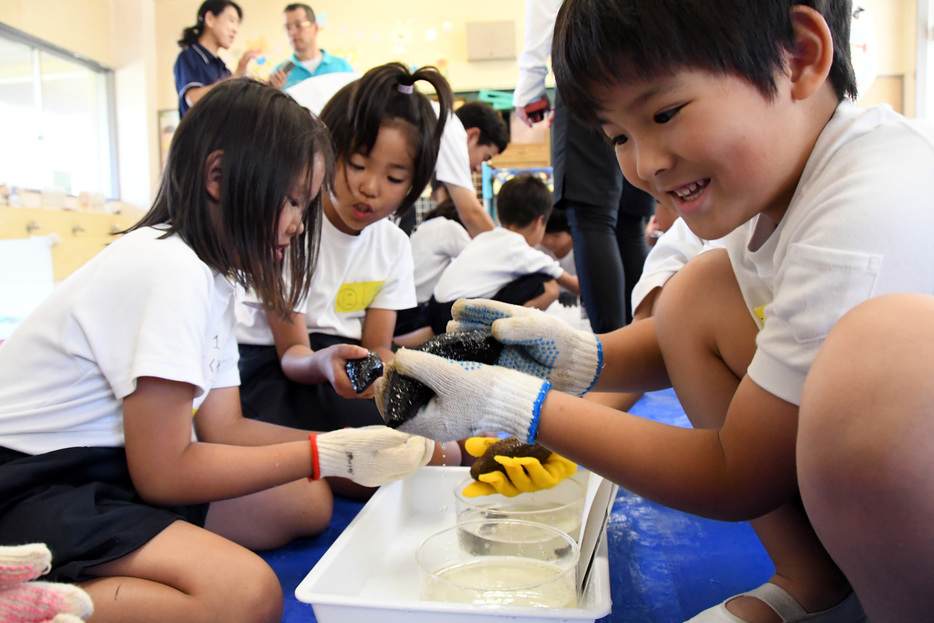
{"type": "Point", "coordinates": [600, 42]}
{"type": "Point", "coordinates": [522, 199]}
{"type": "Point", "coordinates": [557, 221]}
{"type": "Point", "coordinates": [298, 5]}
{"type": "Point", "coordinates": [269, 144]}
{"type": "Point", "coordinates": [386, 95]}
{"type": "Point", "coordinates": [445, 209]}
{"type": "Point", "coordinates": [480, 115]}
{"type": "Point", "coordinates": [215, 7]}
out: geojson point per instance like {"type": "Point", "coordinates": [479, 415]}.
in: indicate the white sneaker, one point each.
{"type": "Point", "coordinates": [847, 611]}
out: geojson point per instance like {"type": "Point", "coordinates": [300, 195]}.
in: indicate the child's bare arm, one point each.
{"type": "Point", "coordinates": [739, 472]}
{"type": "Point", "coordinates": [378, 327]}
{"type": "Point", "coordinates": [168, 468]}
{"type": "Point", "coordinates": [633, 360]}
{"type": "Point", "coordinates": [220, 420]}
{"type": "Point", "coordinates": [549, 296]}
{"type": "Point", "coordinates": [475, 218]}
{"type": "Point", "coordinates": [569, 282]}
{"type": "Point", "coordinates": [302, 364]}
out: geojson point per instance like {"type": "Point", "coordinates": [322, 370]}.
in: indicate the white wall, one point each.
{"type": "Point", "coordinates": [137, 39]}
{"type": "Point", "coordinates": [118, 34]}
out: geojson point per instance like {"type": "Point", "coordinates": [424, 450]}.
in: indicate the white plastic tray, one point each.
{"type": "Point", "coordinates": [370, 574]}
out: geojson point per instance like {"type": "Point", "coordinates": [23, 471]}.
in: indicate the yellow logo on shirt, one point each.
{"type": "Point", "coordinates": [759, 313]}
{"type": "Point", "coordinates": [356, 296]}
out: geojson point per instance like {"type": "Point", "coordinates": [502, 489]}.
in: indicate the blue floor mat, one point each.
{"type": "Point", "coordinates": [665, 566]}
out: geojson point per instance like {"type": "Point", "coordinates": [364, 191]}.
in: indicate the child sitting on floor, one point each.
{"type": "Point", "coordinates": [503, 264]}
{"type": "Point", "coordinates": [558, 243]}
{"type": "Point", "coordinates": [293, 372]}
{"type": "Point", "coordinates": [438, 240]}
{"type": "Point", "coordinates": [801, 352]}
{"type": "Point", "coordinates": [106, 380]}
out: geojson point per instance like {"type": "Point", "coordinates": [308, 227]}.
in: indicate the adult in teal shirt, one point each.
{"type": "Point", "coordinates": [308, 59]}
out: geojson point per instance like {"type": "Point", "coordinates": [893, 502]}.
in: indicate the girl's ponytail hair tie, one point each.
{"type": "Point", "coordinates": [405, 88]}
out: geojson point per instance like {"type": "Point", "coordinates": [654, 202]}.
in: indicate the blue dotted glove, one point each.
{"type": "Point", "coordinates": [470, 398]}
{"type": "Point", "coordinates": [536, 343]}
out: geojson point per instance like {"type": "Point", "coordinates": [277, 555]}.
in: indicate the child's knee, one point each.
{"type": "Point", "coordinates": [260, 594]}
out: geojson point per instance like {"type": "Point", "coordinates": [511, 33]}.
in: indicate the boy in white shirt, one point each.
{"type": "Point", "coordinates": [558, 243]}
{"type": "Point", "coordinates": [503, 264]}
{"type": "Point", "coordinates": [801, 353]}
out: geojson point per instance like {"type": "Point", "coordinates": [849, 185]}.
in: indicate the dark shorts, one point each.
{"type": "Point", "coordinates": [267, 394]}
{"type": "Point", "coordinates": [408, 320]}
{"type": "Point", "coordinates": [82, 504]}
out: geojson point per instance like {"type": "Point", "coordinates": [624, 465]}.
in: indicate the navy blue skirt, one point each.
{"type": "Point", "coordinates": [82, 504]}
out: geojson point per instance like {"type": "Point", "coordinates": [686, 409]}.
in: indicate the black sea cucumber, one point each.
{"type": "Point", "coordinates": [404, 396]}
{"type": "Point", "coordinates": [506, 447]}
{"type": "Point", "coordinates": [364, 372]}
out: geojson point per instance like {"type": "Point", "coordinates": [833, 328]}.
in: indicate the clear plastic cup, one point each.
{"type": "Point", "coordinates": [500, 562]}
{"type": "Point", "coordinates": [561, 507]}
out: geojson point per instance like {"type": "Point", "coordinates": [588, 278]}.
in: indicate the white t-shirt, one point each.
{"type": "Point", "coordinates": [492, 260]}
{"type": "Point", "coordinates": [671, 252]}
{"type": "Point", "coordinates": [435, 243]}
{"type": "Point", "coordinates": [453, 166]}
{"type": "Point", "coordinates": [313, 93]}
{"type": "Point", "coordinates": [353, 273]}
{"type": "Point", "coordinates": [141, 307]}
{"type": "Point", "coordinates": [858, 226]}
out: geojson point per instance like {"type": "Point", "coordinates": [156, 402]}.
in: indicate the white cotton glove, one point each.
{"type": "Point", "coordinates": [535, 343]}
{"type": "Point", "coordinates": [470, 397]}
{"type": "Point", "coordinates": [370, 455]}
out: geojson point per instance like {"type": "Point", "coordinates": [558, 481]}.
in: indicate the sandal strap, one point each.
{"type": "Point", "coordinates": [778, 599]}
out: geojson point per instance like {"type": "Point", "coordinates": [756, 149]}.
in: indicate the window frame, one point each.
{"type": "Point", "coordinates": [37, 45]}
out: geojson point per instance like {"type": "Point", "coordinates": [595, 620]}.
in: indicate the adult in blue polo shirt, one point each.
{"type": "Point", "coordinates": [308, 59]}
{"type": "Point", "coordinates": [197, 67]}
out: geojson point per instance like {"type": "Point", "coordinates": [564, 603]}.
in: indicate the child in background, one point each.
{"type": "Point", "coordinates": [503, 264]}
{"type": "Point", "coordinates": [676, 246]}
{"type": "Point", "coordinates": [385, 136]}
{"type": "Point", "coordinates": [100, 382]}
{"type": "Point", "coordinates": [795, 352]}
{"type": "Point", "coordinates": [660, 222]}
{"type": "Point", "coordinates": [438, 240]}
{"type": "Point", "coordinates": [558, 243]}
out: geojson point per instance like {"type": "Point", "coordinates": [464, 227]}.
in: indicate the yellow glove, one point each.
{"type": "Point", "coordinates": [523, 474]}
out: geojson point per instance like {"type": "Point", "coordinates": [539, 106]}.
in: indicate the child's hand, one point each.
{"type": "Point", "coordinates": [536, 343]}
{"type": "Point", "coordinates": [469, 398]}
{"type": "Point", "coordinates": [335, 369]}
{"type": "Point", "coordinates": [370, 456]}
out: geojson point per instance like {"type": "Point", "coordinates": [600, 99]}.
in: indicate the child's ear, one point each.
{"type": "Point", "coordinates": [810, 61]}
{"type": "Point", "coordinates": [212, 174]}
{"type": "Point", "coordinates": [473, 135]}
